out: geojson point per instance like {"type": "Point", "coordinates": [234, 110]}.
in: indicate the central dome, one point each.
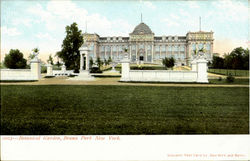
{"type": "Point", "coordinates": [142, 28]}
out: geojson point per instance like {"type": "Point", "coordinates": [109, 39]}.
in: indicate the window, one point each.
{"type": "Point", "coordinates": [149, 58]}
{"type": "Point", "coordinates": [169, 48]}
{"type": "Point", "coordinates": [102, 48]}
{"type": "Point", "coordinates": [114, 48]}
{"type": "Point", "coordinates": [182, 48]}
{"type": "Point", "coordinates": [133, 47]}
{"type": "Point", "coordinates": [193, 47]}
{"type": "Point", "coordinates": [163, 48]}
{"type": "Point", "coordinates": [120, 48]}
{"type": "Point", "coordinates": [208, 47]}
{"type": "Point", "coordinates": [108, 48]}
{"type": "Point", "coordinates": [157, 48]}
{"type": "Point", "coordinates": [175, 48]}
{"type": "Point", "coordinates": [200, 46]}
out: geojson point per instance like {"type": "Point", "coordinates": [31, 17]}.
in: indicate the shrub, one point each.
{"type": "Point", "coordinates": [230, 78]}
{"type": "Point", "coordinates": [95, 70]}
{"type": "Point", "coordinates": [43, 69]}
{"type": "Point", "coordinates": [15, 60]}
{"type": "Point", "coordinates": [219, 79]}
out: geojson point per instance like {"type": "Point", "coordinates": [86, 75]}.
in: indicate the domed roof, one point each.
{"type": "Point", "coordinates": [142, 28]}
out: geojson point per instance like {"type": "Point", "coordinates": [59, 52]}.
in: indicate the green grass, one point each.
{"type": "Point", "coordinates": [244, 73]}
{"type": "Point", "coordinates": [223, 81]}
{"type": "Point", "coordinates": [78, 110]}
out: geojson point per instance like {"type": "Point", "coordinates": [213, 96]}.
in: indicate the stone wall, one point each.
{"type": "Point", "coordinates": [162, 76]}
{"type": "Point", "coordinates": [198, 73]}
{"type": "Point", "coordinates": [22, 74]}
{"type": "Point", "coordinates": [17, 74]}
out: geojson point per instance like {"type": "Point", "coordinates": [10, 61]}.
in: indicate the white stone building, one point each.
{"type": "Point", "coordinates": [143, 45]}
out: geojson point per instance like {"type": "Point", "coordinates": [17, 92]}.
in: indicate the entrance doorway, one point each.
{"type": "Point", "coordinates": [141, 58]}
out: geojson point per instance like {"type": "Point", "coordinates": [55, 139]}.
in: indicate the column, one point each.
{"type": "Point", "coordinates": [95, 51]}
{"type": "Point", "coordinates": [130, 52]}
{"type": "Point", "coordinates": [146, 48]}
{"type": "Point", "coordinates": [105, 52]}
{"type": "Point", "coordinates": [111, 51]}
{"type": "Point", "coordinates": [81, 61]}
{"type": "Point", "coordinates": [152, 56]}
{"type": "Point", "coordinates": [211, 49]}
{"type": "Point", "coordinates": [136, 51]}
{"type": "Point", "coordinates": [179, 54]}
{"type": "Point", "coordinates": [171, 51]}
{"type": "Point", "coordinates": [189, 45]}
{"type": "Point", "coordinates": [87, 61]}
{"type": "Point", "coordinates": [117, 52]}
{"type": "Point", "coordinates": [160, 50]}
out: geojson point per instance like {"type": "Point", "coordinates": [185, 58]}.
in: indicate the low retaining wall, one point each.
{"type": "Point", "coordinates": [17, 74]}
{"type": "Point", "coordinates": [22, 74]}
{"type": "Point", "coordinates": [198, 73]}
{"type": "Point", "coordinates": [162, 76]}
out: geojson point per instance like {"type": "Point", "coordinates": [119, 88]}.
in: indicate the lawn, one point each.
{"type": "Point", "coordinates": [233, 72]}
{"type": "Point", "coordinates": [224, 81]}
{"type": "Point", "coordinates": [78, 110]}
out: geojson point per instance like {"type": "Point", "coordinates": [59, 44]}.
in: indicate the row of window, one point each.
{"type": "Point", "coordinates": [200, 46]}
{"type": "Point", "coordinates": [157, 48]}
{"type": "Point", "coordinates": [156, 56]}
{"type": "Point", "coordinates": [149, 47]}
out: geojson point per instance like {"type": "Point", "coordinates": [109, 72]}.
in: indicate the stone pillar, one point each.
{"type": "Point", "coordinates": [125, 68]}
{"type": "Point", "coordinates": [63, 69]}
{"type": "Point", "coordinates": [202, 70]}
{"type": "Point", "coordinates": [49, 70]}
{"type": "Point", "coordinates": [35, 68]}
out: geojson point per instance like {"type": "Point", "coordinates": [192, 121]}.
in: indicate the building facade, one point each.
{"type": "Point", "coordinates": [144, 46]}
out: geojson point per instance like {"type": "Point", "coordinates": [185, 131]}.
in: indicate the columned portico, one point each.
{"type": "Point", "coordinates": [84, 65]}
{"type": "Point", "coordinates": [84, 59]}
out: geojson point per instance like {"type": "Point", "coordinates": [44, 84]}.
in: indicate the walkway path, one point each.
{"type": "Point", "coordinates": [112, 81]}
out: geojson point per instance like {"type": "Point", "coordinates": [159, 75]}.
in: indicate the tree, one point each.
{"type": "Point", "coordinates": [99, 62]}
{"type": "Point", "coordinates": [91, 62]}
{"type": "Point", "coordinates": [105, 62]}
{"type": "Point", "coordinates": [109, 60]}
{"type": "Point", "coordinates": [217, 62]}
{"type": "Point", "coordinates": [50, 60]}
{"type": "Point", "coordinates": [15, 60]}
{"type": "Point", "coordinates": [168, 62]}
{"type": "Point", "coordinates": [70, 53]}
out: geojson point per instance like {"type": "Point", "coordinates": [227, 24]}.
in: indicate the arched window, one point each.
{"type": "Point", "coordinates": [200, 46]}
{"type": "Point", "coordinates": [208, 46]}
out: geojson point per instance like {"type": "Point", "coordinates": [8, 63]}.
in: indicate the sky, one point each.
{"type": "Point", "coordinates": [26, 24]}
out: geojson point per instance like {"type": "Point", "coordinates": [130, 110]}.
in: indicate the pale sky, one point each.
{"type": "Point", "coordinates": [29, 24]}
